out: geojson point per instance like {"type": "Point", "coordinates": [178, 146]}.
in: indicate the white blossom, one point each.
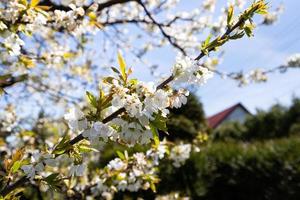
{"type": "Point", "coordinates": [77, 170]}
{"type": "Point", "coordinates": [13, 44]}
{"type": "Point", "coordinates": [188, 71]}
{"type": "Point", "coordinates": [76, 119]}
{"type": "Point", "coordinates": [31, 170]}
{"type": "Point", "coordinates": [179, 154]}
{"type": "Point", "coordinates": [116, 164]}
{"type": "Point", "coordinates": [294, 60]}
{"type": "Point", "coordinates": [258, 75]}
{"type": "Point", "coordinates": [179, 99]}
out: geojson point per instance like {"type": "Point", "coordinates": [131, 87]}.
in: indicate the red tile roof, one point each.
{"type": "Point", "coordinates": [218, 118]}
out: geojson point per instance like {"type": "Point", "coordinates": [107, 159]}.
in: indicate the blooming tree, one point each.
{"type": "Point", "coordinates": [46, 45]}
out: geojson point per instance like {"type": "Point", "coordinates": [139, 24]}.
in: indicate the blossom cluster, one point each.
{"type": "Point", "coordinates": [132, 174]}
{"type": "Point", "coordinates": [37, 164]}
{"type": "Point", "coordinates": [189, 71]}
{"type": "Point", "coordinates": [254, 76]}
{"type": "Point", "coordinates": [293, 61]}
{"type": "Point", "coordinates": [145, 106]}
{"type": "Point", "coordinates": [180, 153]}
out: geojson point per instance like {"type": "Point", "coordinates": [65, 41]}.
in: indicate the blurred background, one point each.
{"type": "Point", "coordinates": [248, 137]}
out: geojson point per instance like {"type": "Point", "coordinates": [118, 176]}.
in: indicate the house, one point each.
{"type": "Point", "coordinates": [237, 112]}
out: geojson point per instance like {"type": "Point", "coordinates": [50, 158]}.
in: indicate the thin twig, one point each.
{"type": "Point", "coordinates": [160, 26]}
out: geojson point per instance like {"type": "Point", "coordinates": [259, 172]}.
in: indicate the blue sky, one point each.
{"type": "Point", "coordinates": [269, 48]}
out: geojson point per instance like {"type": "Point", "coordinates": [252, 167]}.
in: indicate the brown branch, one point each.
{"type": "Point", "coordinates": [9, 80]}
{"type": "Point", "coordinates": [126, 21]}
{"type": "Point", "coordinates": [167, 36]}
{"type": "Point", "coordinates": [12, 187]}
{"type": "Point", "coordinates": [101, 6]}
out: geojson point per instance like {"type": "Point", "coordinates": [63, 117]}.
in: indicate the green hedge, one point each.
{"type": "Point", "coordinates": [277, 122]}
{"type": "Point", "coordinates": [239, 171]}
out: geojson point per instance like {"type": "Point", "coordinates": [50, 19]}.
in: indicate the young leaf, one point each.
{"type": "Point", "coordinates": [133, 81]}
{"type": "Point", "coordinates": [92, 99]}
{"type": "Point", "coordinates": [155, 134]}
{"type": "Point", "coordinates": [51, 178]}
{"type": "Point", "coordinates": [16, 166]}
{"type": "Point", "coordinates": [43, 8]}
{"type": "Point", "coordinates": [86, 149]}
{"type": "Point", "coordinates": [92, 16]}
{"type": "Point", "coordinates": [27, 62]}
{"type": "Point", "coordinates": [121, 155]}
{"type": "Point", "coordinates": [18, 155]}
{"type": "Point", "coordinates": [249, 30]}
{"type": "Point", "coordinates": [153, 187]}
{"type": "Point", "coordinates": [122, 65]}
{"type": "Point", "coordinates": [230, 15]}
{"type": "Point", "coordinates": [62, 146]}
{"type": "Point", "coordinates": [115, 70]}
{"type": "Point", "coordinates": [108, 79]}
{"type": "Point", "coordinates": [206, 42]}
{"type": "Point", "coordinates": [160, 123]}
{"type": "Point", "coordinates": [34, 3]}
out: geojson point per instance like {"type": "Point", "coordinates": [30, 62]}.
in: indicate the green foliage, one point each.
{"type": "Point", "coordinates": [227, 170]}
{"type": "Point", "coordinates": [277, 122]}
{"type": "Point", "coordinates": [186, 123]}
{"type": "Point", "coordinates": [230, 15]}
{"type": "Point", "coordinates": [229, 131]}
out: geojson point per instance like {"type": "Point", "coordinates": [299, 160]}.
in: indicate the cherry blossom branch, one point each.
{"type": "Point", "coordinates": [204, 52]}
{"type": "Point", "coordinates": [101, 6]}
{"type": "Point", "coordinates": [105, 120]}
{"type": "Point", "coordinates": [224, 36]}
{"type": "Point", "coordinates": [164, 83]}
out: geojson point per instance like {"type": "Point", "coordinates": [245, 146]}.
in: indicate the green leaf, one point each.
{"type": "Point", "coordinates": [133, 81]}
{"type": "Point", "coordinates": [62, 146]}
{"type": "Point", "coordinates": [121, 155]}
{"type": "Point", "coordinates": [249, 30]}
{"type": "Point", "coordinates": [28, 133]}
{"type": "Point", "coordinates": [34, 3]}
{"type": "Point", "coordinates": [86, 149]}
{"type": "Point", "coordinates": [108, 79]}
{"type": "Point", "coordinates": [115, 70]}
{"type": "Point", "coordinates": [92, 99]}
{"type": "Point", "coordinates": [160, 122]}
{"type": "Point", "coordinates": [101, 93]}
{"type": "Point", "coordinates": [16, 166]}
{"type": "Point", "coordinates": [51, 178]}
{"type": "Point", "coordinates": [122, 65]}
{"type": "Point", "coordinates": [205, 44]}
{"type": "Point", "coordinates": [155, 134]}
{"type": "Point", "coordinates": [76, 155]}
{"type": "Point", "coordinates": [153, 187]}
{"type": "Point", "coordinates": [230, 15]}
